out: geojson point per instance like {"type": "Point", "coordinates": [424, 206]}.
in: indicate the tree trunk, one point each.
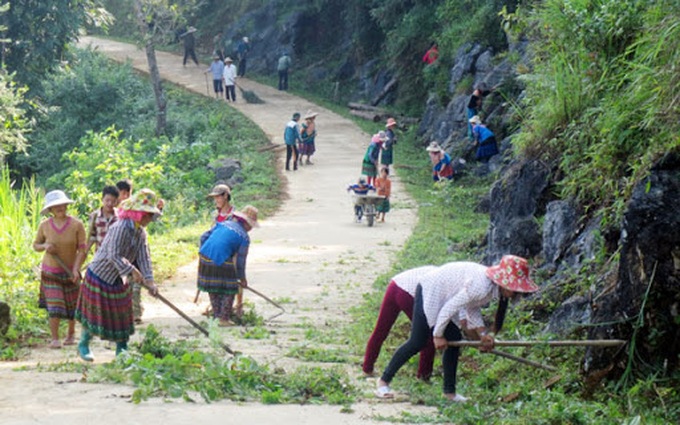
{"type": "Point", "coordinates": [161, 102]}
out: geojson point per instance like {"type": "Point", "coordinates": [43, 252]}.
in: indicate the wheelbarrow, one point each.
{"type": "Point", "coordinates": [368, 204]}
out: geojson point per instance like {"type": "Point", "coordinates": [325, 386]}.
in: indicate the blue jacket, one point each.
{"type": "Point", "coordinates": [226, 239]}
{"type": "Point", "coordinates": [292, 133]}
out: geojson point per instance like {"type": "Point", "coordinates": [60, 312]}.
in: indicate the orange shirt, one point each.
{"type": "Point", "coordinates": [383, 186]}
{"type": "Point", "coordinates": [67, 240]}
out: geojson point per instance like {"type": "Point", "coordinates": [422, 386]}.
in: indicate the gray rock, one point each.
{"type": "Point", "coordinates": [225, 169]}
{"type": "Point", "coordinates": [559, 228]}
{"type": "Point", "coordinates": [571, 315]}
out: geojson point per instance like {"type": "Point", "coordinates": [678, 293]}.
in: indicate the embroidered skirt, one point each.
{"type": "Point", "coordinates": [216, 279]}
{"type": "Point", "coordinates": [58, 295]}
{"type": "Point", "coordinates": [306, 148]}
{"type": "Point", "coordinates": [105, 309]}
{"type": "Point", "coordinates": [369, 169]}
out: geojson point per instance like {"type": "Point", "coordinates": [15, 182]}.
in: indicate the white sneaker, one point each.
{"type": "Point", "coordinates": [458, 399]}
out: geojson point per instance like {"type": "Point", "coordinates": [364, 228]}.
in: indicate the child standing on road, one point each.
{"type": "Point", "coordinates": [361, 188]}
{"type": "Point", "coordinates": [383, 184]}
{"type": "Point", "coordinates": [102, 218]}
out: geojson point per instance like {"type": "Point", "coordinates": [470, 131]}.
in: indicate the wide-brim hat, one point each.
{"type": "Point", "coordinates": [310, 114]}
{"type": "Point", "coordinates": [191, 29]}
{"type": "Point", "coordinates": [475, 120]}
{"type": "Point", "coordinates": [434, 147]}
{"type": "Point", "coordinates": [220, 190]}
{"type": "Point", "coordinates": [382, 136]}
{"type": "Point", "coordinates": [228, 59]}
{"type": "Point", "coordinates": [512, 273]}
{"type": "Point", "coordinates": [249, 215]}
{"type": "Point", "coordinates": [390, 122]}
{"type": "Point", "coordinates": [144, 200]}
{"type": "Point", "coordinates": [54, 198]}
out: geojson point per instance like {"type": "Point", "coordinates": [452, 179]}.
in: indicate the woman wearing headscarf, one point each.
{"type": "Point", "coordinates": [222, 262]}
{"type": "Point", "coordinates": [105, 301]}
{"type": "Point", "coordinates": [63, 239]}
{"type": "Point", "coordinates": [449, 299]}
{"type": "Point", "coordinates": [369, 166]}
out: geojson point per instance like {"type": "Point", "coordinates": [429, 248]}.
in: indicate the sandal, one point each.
{"type": "Point", "coordinates": [55, 344]}
{"type": "Point", "coordinates": [70, 341]}
{"type": "Point", "coordinates": [384, 392]}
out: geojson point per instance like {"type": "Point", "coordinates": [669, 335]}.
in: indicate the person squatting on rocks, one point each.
{"type": "Point", "coordinates": [242, 50]}
{"type": "Point", "coordinates": [432, 54]}
{"type": "Point", "coordinates": [105, 302]}
{"type": "Point", "coordinates": [485, 140]}
{"type": "Point", "coordinates": [217, 71]}
{"type": "Point", "coordinates": [448, 300]}
{"type": "Point", "coordinates": [62, 238]}
{"type": "Point", "coordinates": [291, 136]}
{"type": "Point", "coordinates": [387, 154]}
{"type": "Point", "coordinates": [229, 78]}
{"type": "Point", "coordinates": [399, 297]}
{"type": "Point", "coordinates": [308, 137]}
{"type": "Point", "coordinates": [282, 68]}
{"type": "Point", "coordinates": [360, 188]}
{"type": "Point", "coordinates": [369, 165]}
{"type": "Point", "coordinates": [383, 186]}
{"type": "Point", "coordinates": [441, 162]}
{"type": "Point", "coordinates": [474, 106]}
{"type": "Point", "coordinates": [222, 262]}
{"type": "Point", "coordinates": [189, 46]}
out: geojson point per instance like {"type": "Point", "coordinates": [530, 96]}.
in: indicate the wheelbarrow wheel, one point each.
{"type": "Point", "coordinates": [369, 210]}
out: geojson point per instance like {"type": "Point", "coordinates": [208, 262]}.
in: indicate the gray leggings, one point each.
{"type": "Point", "coordinates": [420, 332]}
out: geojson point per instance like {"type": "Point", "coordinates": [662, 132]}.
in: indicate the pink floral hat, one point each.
{"type": "Point", "coordinates": [144, 200]}
{"type": "Point", "coordinates": [512, 273]}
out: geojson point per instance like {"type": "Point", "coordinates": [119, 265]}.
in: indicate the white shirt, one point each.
{"type": "Point", "coordinates": [456, 291]}
{"type": "Point", "coordinates": [229, 74]}
{"type": "Point", "coordinates": [408, 280]}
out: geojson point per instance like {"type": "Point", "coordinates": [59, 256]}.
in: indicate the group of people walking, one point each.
{"type": "Point", "coordinates": [107, 299]}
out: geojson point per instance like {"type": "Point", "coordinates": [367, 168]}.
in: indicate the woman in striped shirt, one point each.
{"type": "Point", "coordinates": [105, 303]}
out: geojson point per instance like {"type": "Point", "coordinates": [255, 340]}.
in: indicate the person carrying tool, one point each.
{"type": "Point", "coordinates": [62, 238]}
{"type": "Point", "coordinates": [449, 299]}
{"type": "Point", "coordinates": [222, 262]}
{"type": "Point", "coordinates": [105, 303]}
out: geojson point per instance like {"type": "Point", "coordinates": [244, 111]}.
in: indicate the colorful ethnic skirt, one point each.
{"type": "Point", "coordinates": [58, 295]}
{"type": "Point", "coordinates": [369, 169]}
{"type": "Point", "coordinates": [216, 279]}
{"type": "Point", "coordinates": [105, 309]}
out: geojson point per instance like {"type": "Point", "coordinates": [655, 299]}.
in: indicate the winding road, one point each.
{"type": "Point", "coordinates": [310, 253]}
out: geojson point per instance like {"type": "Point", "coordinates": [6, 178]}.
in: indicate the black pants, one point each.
{"type": "Point", "coordinates": [241, 71]}
{"type": "Point", "coordinates": [420, 331]}
{"type": "Point", "coordinates": [217, 86]}
{"type": "Point", "coordinates": [189, 53]}
{"type": "Point", "coordinates": [230, 91]}
{"type": "Point", "coordinates": [283, 80]}
{"type": "Point", "coordinates": [291, 152]}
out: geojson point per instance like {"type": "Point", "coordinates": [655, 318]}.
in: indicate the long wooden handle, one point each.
{"type": "Point", "coordinates": [62, 265]}
{"type": "Point", "coordinates": [563, 343]}
{"type": "Point", "coordinates": [523, 360]}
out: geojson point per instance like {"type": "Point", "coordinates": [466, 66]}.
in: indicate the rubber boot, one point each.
{"type": "Point", "coordinates": [84, 346]}
{"type": "Point", "coordinates": [121, 346]}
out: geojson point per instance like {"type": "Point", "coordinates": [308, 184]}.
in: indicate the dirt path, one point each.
{"type": "Point", "coordinates": [310, 253]}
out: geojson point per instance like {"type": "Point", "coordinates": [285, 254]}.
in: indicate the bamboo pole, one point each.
{"type": "Point", "coordinates": [523, 360]}
{"type": "Point", "coordinates": [563, 343]}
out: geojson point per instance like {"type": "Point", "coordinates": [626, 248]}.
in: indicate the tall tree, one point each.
{"type": "Point", "coordinates": [157, 21]}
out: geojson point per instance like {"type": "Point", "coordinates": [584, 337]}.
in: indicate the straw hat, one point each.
{"type": "Point", "coordinates": [144, 200]}
{"type": "Point", "coordinates": [390, 122]}
{"type": "Point", "coordinates": [512, 273]}
{"type": "Point", "coordinates": [245, 39]}
{"type": "Point", "coordinates": [434, 147]}
{"type": "Point", "coordinates": [310, 114]}
{"type": "Point", "coordinates": [228, 59]}
{"type": "Point", "coordinates": [475, 120]}
{"type": "Point", "coordinates": [220, 190]}
{"type": "Point", "coordinates": [249, 215]}
{"type": "Point", "coordinates": [54, 198]}
{"type": "Point", "coordinates": [191, 29]}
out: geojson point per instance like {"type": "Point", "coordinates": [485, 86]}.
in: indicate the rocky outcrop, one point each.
{"type": "Point", "coordinates": [643, 305]}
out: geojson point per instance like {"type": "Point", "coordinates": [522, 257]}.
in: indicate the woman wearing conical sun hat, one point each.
{"type": "Point", "coordinates": [64, 241]}
{"type": "Point", "coordinates": [105, 301]}
{"type": "Point", "coordinates": [449, 299]}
